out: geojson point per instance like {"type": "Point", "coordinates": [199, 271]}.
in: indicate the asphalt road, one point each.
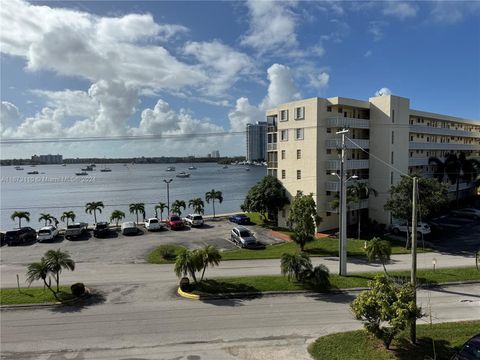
{"type": "Point", "coordinates": [278, 327]}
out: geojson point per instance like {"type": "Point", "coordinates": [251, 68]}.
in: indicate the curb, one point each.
{"type": "Point", "coordinates": [187, 295]}
{"type": "Point", "coordinates": [48, 304]}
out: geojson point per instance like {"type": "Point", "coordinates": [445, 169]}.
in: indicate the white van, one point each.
{"type": "Point", "coordinates": [47, 233]}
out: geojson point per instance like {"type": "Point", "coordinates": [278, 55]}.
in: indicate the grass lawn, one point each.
{"type": "Point", "coordinates": [281, 283]}
{"type": "Point", "coordinates": [30, 295]}
{"type": "Point", "coordinates": [155, 257]}
{"type": "Point", "coordinates": [440, 340]}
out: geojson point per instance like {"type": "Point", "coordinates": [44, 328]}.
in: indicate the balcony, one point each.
{"type": "Point", "coordinates": [272, 147]}
{"type": "Point", "coordinates": [337, 143]}
{"type": "Point", "coordinates": [272, 164]}
{"type": "Point", "coordinates": [334, 165]}
{"type": "Point", "coordinates": [345, 122]}
{"type": "Point", "coordinates": [441, 146]}
{"type": "Point", "coordinates": [362, 204]}
{"type": "Point", "coordinates": [271, 129]}
{"type": "Point", "coordinates": [335, 185]}
{"type": "Point", "coordinates": [421, 129]}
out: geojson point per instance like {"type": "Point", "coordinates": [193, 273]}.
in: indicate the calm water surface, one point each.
{"type": "Point", "coordinates": [56, 188]}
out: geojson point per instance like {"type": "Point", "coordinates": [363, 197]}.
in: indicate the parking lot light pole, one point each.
{"type": "Point", "coordinates": [168, 193]}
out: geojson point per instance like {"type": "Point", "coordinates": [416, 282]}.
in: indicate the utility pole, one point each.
{"type": "Point", "coordinates": [413, 328]}
{"type": "Point", "coordinates": [343, 209]}
{"type": "Point", "coordinates": [168, 194]}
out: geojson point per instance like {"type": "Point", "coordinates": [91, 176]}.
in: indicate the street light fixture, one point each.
{"type": "Point", "coordinates": [168, 193]}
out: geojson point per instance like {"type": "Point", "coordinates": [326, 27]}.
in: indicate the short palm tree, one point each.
{"type": "Point", "coordinates": [20, 215]}
{"type": "Point", "coordinates": [39, 271]}
{"type": "Point", "coordinates": [214, 195]}
{"type": "Point", "coordinates": [359, 191]}
{"type": "Point", "coordinates": [160, 206]}
{"type": "Point", "coordinates": [294, 266]}
{"type": "Point", "coordinates": [46, 217]}
{"type": "Point", "coordinates": [116, 216]}
{"type": "Point", "coordinates": [177, 207]}
{"type": "Point", "coordinates": [94, 206]}
{"type": "Point", "coordinates": [378, 249]}
{"type": "Point", "coordinates": [68, 215]}
{"type": "Point", "coordinates": [210, 257]}
{"type": "Point", "coordinates": [188, 263]}
{"type": "Point", "coordinates": [57, 260]}
{"type": "Point", "coordinates": [137, 208]}
{"type": "Point", "coordinates": [197, 205]}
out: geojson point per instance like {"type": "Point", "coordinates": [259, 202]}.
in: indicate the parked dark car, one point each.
{"type": "Point", "coordinates": [470, 350]}
{"type": "Point", "coordinates": [101, 229]}
{"type": "Point", "coordinates": [2, 239]}
{"type": "Point", "coordinates": [20, 236]}
{"type": "Point", "coordinates": [240, 219]}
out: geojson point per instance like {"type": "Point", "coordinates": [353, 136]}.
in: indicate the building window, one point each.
{"type": "Point", "coordinates": [299, 192]}
{"type": "Point", "coordinates": [299, 154]}
{"type": "Point", "coordinates": [328, 193]}
{"type": "Point", "coordinates": [393, 116]}
{"type": "Point", "coordinates": [411, 153]}
{"type": "Point", "coordinates": [329, 131]}
{"type": "Point", "coordinates": [300, 113]}
{"type": "Point", "coordinates": [340, 110]}
{"type": "Point", "coordinates": [411, 137]}
{"type": "Point", "coordinates": [283, 154]}
{"type": "Point", "coordinates": [391, 178]}
{"type": "Point", "coordinates": [284, 135]}
{"type": "Point", "coordinates": [299, 174]}
{"type": "Point", "coordinates": [391, 158]}
{"type": "Point", "coordinates": [284, 115]}
{"type": "Point", "coordinates": [392, 137]}
{"type": "Point", "coordinates": [284, 174]}
{"type": "Point", "coordinates": [328, 213]}
{"type": "Point", "coordinates": [329, 109]}
{"type": "Point", "coordinates": [284, 213]}
{"type": "Point", "coordinates": [329, 151]}
{"type": "Point", "coordinates": [299, 134]}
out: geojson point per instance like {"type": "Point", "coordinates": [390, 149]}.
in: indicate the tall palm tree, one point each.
{"type": "Point", "coordinates": [197, 205]}
{"type": "Point", "coordinates": [40, 270]}
{"type": "Point", "coordinates": [57, 260]}
{"type": "Point", "coordinates": [459, 167]}
{"type": "Point", "coordinates": [214, 195]}
{"type": "Point", "coordinates": [378, 249]}
{"type": "Point", "coordinates": [295, 265]}
{"type": "Point", "coordinates": [188, 263]}
{"type": "Point", "coordinates": [116, 216]}
{"type": "Point", "coordinates": [94, 206]}
{"type": "Point", "coordinates": [439, 170]}
{"type": "Point", "coordinates": [210, 257]}
{"type": "Point", "coordinates": [177, 207]}
{"type": "Point", "coordinates": [160, 206]}
{"type": "Point", "coordinates": [136, 208]}
{"type": "Point", "coordinates": [20, 215]}
{"type": "Point", "coordinates": [359, 191]}
{"type": "Point", "coordinates": [46, 217]}
{"type": "Point", "coordinates": [68, 215]}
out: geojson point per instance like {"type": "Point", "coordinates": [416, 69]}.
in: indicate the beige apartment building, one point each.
{"type": "Point", "coordinates": [388, 139]}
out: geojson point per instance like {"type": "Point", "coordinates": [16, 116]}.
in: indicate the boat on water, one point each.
{"type": "Point", "coordinates": [225, 167]}
{"type": "Point", "coordinates": [83, 173]}
{"type": "Point", "coordinates": [171, 168]}
{"type": "Point", "coordinates": [106, 170]}
{"type": "Point", "coordinates": [18, 168]}
{"type": "Point", "coordinates": [32, 173]}
{"type": "Point", "coordinates": [192, 168]}
{"type": "Point", "coordinates": [93, 165]}
{"type": "Point", "coordinates": [183, 174]}
{"type": "Point", "coordinates": [247, 169]}
{"type": "Point", "coordinates": [88, 168]}
{"type": "Point", "coordinates": [64, 164]}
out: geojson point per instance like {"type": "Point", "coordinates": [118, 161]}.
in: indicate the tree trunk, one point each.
{"type": "Point", "coordinates": [457, 189]}
{"type": "Point", "coordinates": [95, 216]}
{"type": "Point", "coordinates": [50, 288]}
{"type": "Point", "coordinates": [136, 212]}
{"type": "Point", "coordinates": [359, 214]}
{"type": "Point", "coordinates": [408, 237]}
{"type": "Point", "coordinates": [19, 223]}
{"type": "Point", "coordinates": [203, 272]}
{"type": "Point", "coordinates": [57, 279]}
{"type": "Point", "coordinates": [213, 204]}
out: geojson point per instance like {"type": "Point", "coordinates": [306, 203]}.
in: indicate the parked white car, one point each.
{"type": "Point", "coordinates": [47, 233]}
{"type": "Point", "coordinates": [130, 228]}
{"type": "Point", "coordinates": [194, 220]}
{"type": "Point", "coordinates": [467, 213]}
{"type": "Point", "coordinates": [422, 228]}
{"type": "Point", "coordinates": [153, 224]}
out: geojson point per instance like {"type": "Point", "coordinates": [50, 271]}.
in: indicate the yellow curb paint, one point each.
{"type": "Point", "coordinates": [188, 295]}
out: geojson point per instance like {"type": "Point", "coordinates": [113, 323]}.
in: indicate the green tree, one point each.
{"type": "Point", "coordinates": [380, 250]}
{"type": "Point", "coordinates": [210, 256]}
{"type": "Point", "coordinates": [214, 195]}
{"type": "Point", "coordinates": [197, 205]}
{"type": "Point", "coordinates": [40, 270]}
{"type": "Point", "coordinates": [160, 206]}
{"type": "Point", "coordinates": [303, 219]}
{"type": "Point", "coordinates": [360, 191]}
{"type": "Point", "coordinates": [387, 308]}
{"type": "Point", "coordinates": [94, 206]}
{"type": "Point", "coordinates": [56, 261]}
{"type": "Point", "coordinates": [319, 277]}
{"type": "Point", "coordinates": [68, 215]}
{"type": "Point", "coordinates": [20, 215]}
{"type": "Point", "coordinates": [266, 197]}
{"type": "Point", "coordinates": [295, 266]}
{"type": "Point", "coordinates": [432, 196]}
{"type": "Point", "coordinates": [177, 207]}
{"type": "Point", "coordinates": [46, 217]}
{"type": "Point", "coordinates": [188, 263]}
{"type": "Point", "coordinates": [136, 208]}
{"type": "Point", "coordinates": [116, 216]}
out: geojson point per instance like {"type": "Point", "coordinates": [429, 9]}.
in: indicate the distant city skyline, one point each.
{"type": "Point", "coordinates": [171, 69]}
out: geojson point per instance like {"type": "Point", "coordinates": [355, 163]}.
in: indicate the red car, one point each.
{"type": "Point", "coordinates": [175, 222]}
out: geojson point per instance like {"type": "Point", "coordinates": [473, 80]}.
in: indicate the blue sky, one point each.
{"type": "Point", "coordinates": [116, 68]}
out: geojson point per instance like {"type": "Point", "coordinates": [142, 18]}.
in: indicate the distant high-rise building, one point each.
{"type": "Point", "coordinates": [257, 141]}
{"type": "Point", "coordinates": [215, 154]}
{"type": "Point", "coordinates": [47, 159]}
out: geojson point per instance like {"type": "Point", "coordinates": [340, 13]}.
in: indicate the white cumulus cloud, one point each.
{"type": "Point", "coordinates": [9, 115]}
{"type": "Point", "coordinates": [400, 9]}
{"type": "Point", "coordinates": [281, 89]}
{"type": "Point", "coordinates": [243, 114]}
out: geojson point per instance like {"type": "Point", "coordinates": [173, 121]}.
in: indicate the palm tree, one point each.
{"type": "Point", "coordinates": [94, 206]}
{"type": "Point", "coordinates": [295, 266]}
{"type": "Point", "coordinates": [378, 249]}
{"type": "Point", "coordinates": [439, 171]}
{"type": "Point", "coordinates": [188, 263]}
{"type": "Point", "coordinates": [137, 208]}
{"type": "Point", "coordinates": [116, 216]}
{"type": "Point", "coordinates": [68, 215]}
{"type": "Point", "coordinates": [37, 271]}
{"type": "Point", "coordinates": [197, 205]}
{"type": "Point", "coordinates": [359, 191]}
{"type": "Point", "coordinates": [20, 215]}
{"type": "Point", "coordinates": [46, 217]}
{"type": "Point", "coordinates": [213, 195]}
{"type": "Point", "coordinates": [57, 260]}
{"type": "Point", "coordinates": [210, 257]}
{"type": "Point", "coordinates": [160, 206]}
{"type": "Point", "coordinates": [177, 207]}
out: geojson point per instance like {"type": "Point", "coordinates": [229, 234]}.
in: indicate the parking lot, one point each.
{"type": "Point", "coordinates": [122, 249]}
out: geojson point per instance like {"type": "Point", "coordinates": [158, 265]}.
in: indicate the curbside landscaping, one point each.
{"type": "Point", "coordinates": [188, 295]}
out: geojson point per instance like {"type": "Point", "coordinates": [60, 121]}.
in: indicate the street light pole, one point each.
{"type": "Point", "coordinates": [343, 209]}
{"type": "Point", "coordinates": [168, 194]}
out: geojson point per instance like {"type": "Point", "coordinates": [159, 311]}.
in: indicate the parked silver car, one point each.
{"type": "Point", "coordinates": [243, 237]}
{"type": "Point", "coordinates": [194, 220]}
{"type": "Point", "coordinates": [129, 228]}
